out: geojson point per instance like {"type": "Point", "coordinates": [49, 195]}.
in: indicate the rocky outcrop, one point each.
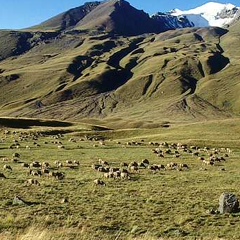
{"type": "Point", "coordinates": [19, 201]}
{"type": "Point", "coordinates": [172, 22]}
{"type": "Point", "coordinates": [228, 203]}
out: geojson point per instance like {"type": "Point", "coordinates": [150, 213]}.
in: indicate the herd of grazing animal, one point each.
{"type": "Point", "coordinates": [205, 155]}
{"type": "Point", "coordinates": [166, 156]}
{"type": "Point", "coordinates": [34, 170]}
{"type": "Point", "coordinates": [201, 156]}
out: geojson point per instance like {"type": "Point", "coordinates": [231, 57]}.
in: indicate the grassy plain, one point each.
{"type": "Point", "coordinates": [166, 204]}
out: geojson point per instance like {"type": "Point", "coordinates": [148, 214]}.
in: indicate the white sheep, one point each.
{"type": "Point", "coordinates": [7, 167]}
{"type": "Point", "coordinates": [125, 175]}
{"type": "Point", "coordinates": [26, 165]}
{"type": "Point", "coordinates": [99, 182]}
{"type": "Point", "coordinates": [32, 182]}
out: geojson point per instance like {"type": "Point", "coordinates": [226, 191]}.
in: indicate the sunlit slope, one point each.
{"type": "Point", "coordinates": [65, 20]}
{"type": "Point", "coordinates": [181, 75]}
{"type": "Point", "coordinates": [222, 89]}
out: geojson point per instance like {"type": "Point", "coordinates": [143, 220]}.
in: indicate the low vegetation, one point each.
{"type": "Point", "coordinates": [70, 185]}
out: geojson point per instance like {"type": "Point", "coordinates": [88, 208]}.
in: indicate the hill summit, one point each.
{"type": "Point", "coordinates": [116, 16]}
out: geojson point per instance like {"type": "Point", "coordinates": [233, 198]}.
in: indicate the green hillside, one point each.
{"type": "Point", "coordinates": [178, 74]}
{"type": "Point", "coordinates": [81, 72]}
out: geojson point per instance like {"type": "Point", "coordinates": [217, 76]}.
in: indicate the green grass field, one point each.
{"type": "Point", "coordinates": [165, 204]}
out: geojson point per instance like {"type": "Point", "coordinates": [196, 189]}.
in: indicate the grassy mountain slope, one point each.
{"type": "Point", "coordinates": [13, 43]}
{"type": "Point", "coordinates": [136, 81]}
{"type": "Point", "coordinates": [226, 82]}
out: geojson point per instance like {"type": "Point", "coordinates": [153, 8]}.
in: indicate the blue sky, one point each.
{"type": "Point", "coordinates": [17, 14]}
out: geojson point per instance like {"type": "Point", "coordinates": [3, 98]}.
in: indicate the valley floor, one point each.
{"type": "Point", "coordinates": [171, 193]}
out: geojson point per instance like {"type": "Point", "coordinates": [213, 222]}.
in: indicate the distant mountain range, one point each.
{"type": "Point", "coordinates": [119, 16]}
{"type": "Point", "coordinates": [209, 14]}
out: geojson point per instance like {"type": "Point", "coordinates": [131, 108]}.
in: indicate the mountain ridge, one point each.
{"type": "Point", "coordinates": [80, 18]}
{"type": "Point", "coordinates": [67, 19]}
{"type": "Point", "coordinates": [110, 17]}
{"type": "Point", "coordinates": [209, 14]}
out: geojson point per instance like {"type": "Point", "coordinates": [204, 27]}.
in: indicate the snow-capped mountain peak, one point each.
{"type": "Point", "coordinates": [209, 14]}
{"type": "Point", "coordinates": [211, 8]}
{"type": "Point", "coordinates": [176, 12]}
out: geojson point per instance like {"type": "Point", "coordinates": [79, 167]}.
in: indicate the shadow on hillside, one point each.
{"type": "Point", "coordinates": [27, 123]}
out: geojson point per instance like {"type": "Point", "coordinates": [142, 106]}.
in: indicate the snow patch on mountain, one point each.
{"type": "Point", "coordinates": [209, 14]}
